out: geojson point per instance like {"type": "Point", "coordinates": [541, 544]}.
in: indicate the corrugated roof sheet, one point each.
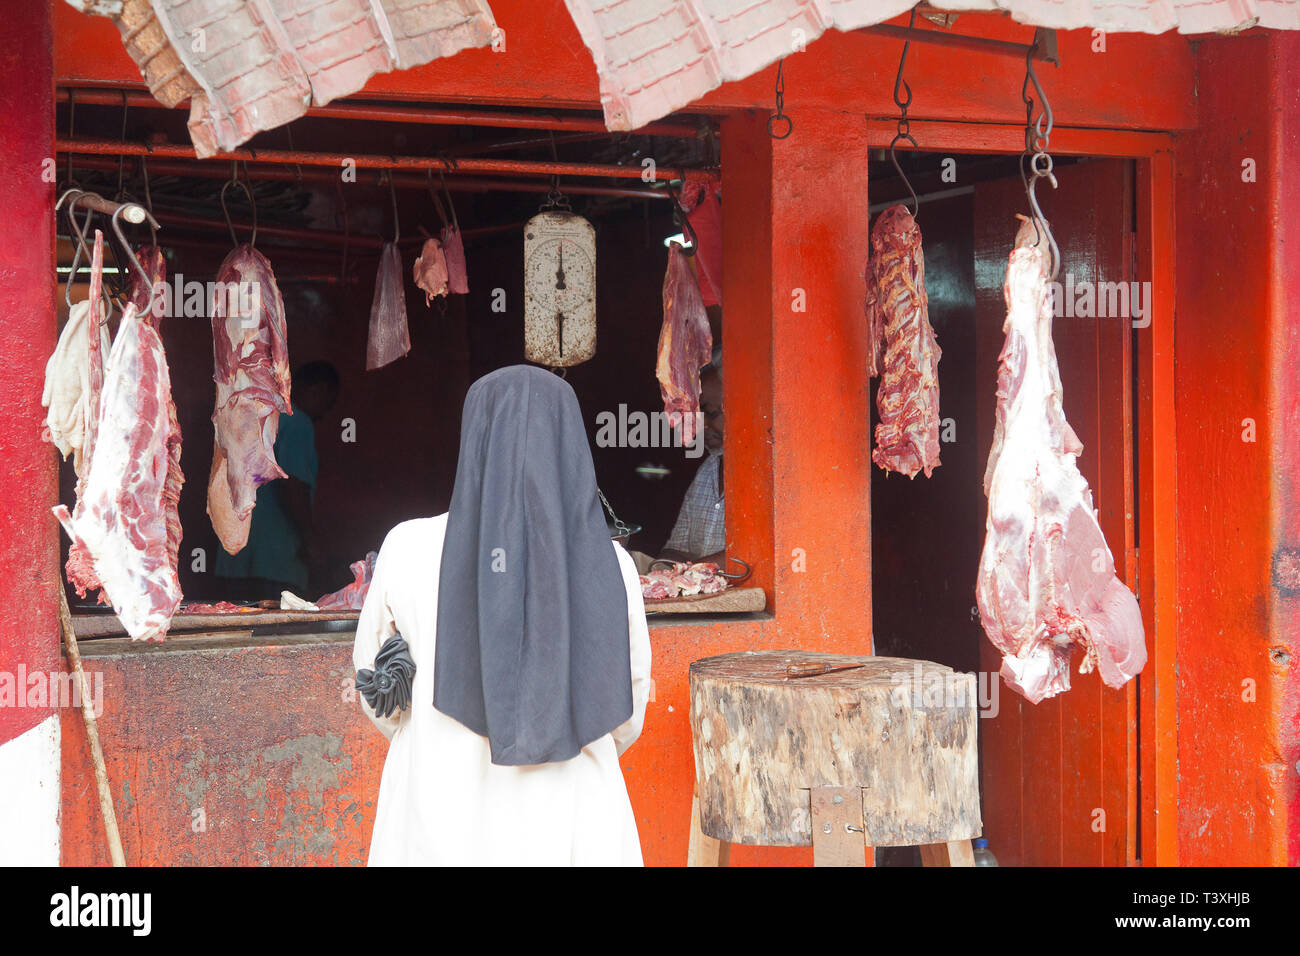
{"type": "Point", "coordinates": [656, 56]}
{"type": "Point", "coordinates": [252, 65]}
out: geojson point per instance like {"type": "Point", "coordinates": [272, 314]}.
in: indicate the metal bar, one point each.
{"type": "Point", "coordinates": [1006, 138]}
{"type": "Point", "coordinates": [131, 212]}
{"type": "Point", "coordinates": [500, 146]}
{"type": "Point", "coordinates": [178, 220]}
{"type": "Point", "coordinates": [469, 184]}
{"type": "Point", "coordinates": [323, 236]}
{"type": "Point", "coordinates": [338, 161]}
{"type": "Point", "coordinates": [923, 197]}
{"type": "Point", "coordinates": [1045, 52]}
{"type": "Point", "coordinates": [390, 113]}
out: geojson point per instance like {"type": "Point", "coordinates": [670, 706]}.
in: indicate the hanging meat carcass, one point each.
{"type": "Point", "coordinates": [430, 271]}
{"type": "Point", "coordinates": [120, 523]}
{"type": "Point", "coordinates": [389, 338]}
{"type": "Point", "coordinates": [351, 596]}
{"type": "Point", "coordinates": [904, 351]}
{"type": "Point", "coordinates": [251, 369]}
{"type": "Point", "coordinates": [453, 250]}
{"type": "Point", "coordinates": [149, 306]}
{"type": "Point", "coordinates": [685, 344]}
{"type": "Point", "coordinates": [1047, 579]}
{"type": "Point", "coordinates": [80, 566]}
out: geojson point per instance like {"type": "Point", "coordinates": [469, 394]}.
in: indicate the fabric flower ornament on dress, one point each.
{"type": "Point", "coordinates": [387, 688]}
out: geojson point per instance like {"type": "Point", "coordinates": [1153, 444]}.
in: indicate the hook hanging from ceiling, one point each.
{"type": "Point", "coordinates": [234, 180]}
{"type": "Point", "coordinates": [148, 202]}
{"type": "Point", "coordinates": [904, 126]}
{"type": "Point", "coordinates": [79, 239]}
{"type": "Point", "coordinates": [117, 228]}
{"type": "Point", "coordinates": [776, 119]}
{"type": "Point", "coordinates": [121, 160]}
{"type": "Point", "coordinates": [392, 194]}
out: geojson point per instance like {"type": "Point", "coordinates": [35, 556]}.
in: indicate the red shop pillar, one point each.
{"type": "Point", "coordinates": [29, 641]}
{"type": "Point", "coordinates": [798, 466]}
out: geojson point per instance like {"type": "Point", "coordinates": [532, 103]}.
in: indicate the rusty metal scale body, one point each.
{"type": "Point", "coordinates": [842, 752]}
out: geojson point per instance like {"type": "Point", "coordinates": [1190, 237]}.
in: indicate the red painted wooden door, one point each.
{"type": "Point", "coordinates": [1060, 778]}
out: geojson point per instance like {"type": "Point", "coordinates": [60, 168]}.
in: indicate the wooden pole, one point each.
{"type": "Point", "coordinates": [92, 733]}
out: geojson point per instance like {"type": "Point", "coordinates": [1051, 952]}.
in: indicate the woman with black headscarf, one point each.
{"type": "Point", "coordinates": [503, 651]}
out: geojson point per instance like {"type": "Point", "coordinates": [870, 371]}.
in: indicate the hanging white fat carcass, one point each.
{"type": "Point", "coordinates": [1047, 581]}
{"type": "Point", "coordinates": [120, 524]}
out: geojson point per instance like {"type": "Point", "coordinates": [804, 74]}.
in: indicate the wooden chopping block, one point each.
{"type": "Point", "coordinates": [900, 732]}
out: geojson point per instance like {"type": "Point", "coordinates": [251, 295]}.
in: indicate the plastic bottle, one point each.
{"type": "Point", "coordinates": [982, 854]}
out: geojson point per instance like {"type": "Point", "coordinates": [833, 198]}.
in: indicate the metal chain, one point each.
{"type": "Point", "coordinates": [619, 526]}
{"type": "Point", "coordinates": [904, 125]}
{"type": "Point", "coordinates": [774, 121]}
{"type": "Point", "coordinates": [1038, 134]}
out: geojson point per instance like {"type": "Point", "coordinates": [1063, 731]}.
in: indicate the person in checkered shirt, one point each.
{"type": "Point", "coordinates": [700, 533]}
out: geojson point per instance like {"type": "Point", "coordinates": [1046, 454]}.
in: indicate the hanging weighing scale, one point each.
{"type": "Point", "coordinates": [559, 285]}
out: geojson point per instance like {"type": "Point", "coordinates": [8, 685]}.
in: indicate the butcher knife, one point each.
{"type": "Point", "coordinates": [816, 668]}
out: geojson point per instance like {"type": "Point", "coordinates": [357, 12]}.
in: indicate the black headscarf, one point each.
{"type": "Point", "coordinates": [532, 648]}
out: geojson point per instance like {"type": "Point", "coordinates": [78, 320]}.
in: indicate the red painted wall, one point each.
{"type": "Point", "coordinates": [1284, 639]}
{"type": "Point", "coordinates": [1235, 365]}
{"type": "Point", "coordinates": [28, 481]}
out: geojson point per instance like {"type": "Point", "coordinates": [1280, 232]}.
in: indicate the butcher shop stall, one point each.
{"type": "Point", "coordinates": [934, 360]}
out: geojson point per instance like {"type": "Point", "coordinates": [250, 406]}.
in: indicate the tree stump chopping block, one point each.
{"type": "Point", "coordinates": [901, 731]}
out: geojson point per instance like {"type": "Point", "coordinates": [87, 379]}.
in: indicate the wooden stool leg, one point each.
{"type": "Point", "coordinates": [952, 853]}
{"type": "Point", "coordinates": [703, 849]}
{"type": "Point", "coordinates": [837, 830]}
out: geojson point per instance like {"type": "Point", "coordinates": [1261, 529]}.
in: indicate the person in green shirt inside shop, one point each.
{"type": "Point", "coordinates": [281, 536]}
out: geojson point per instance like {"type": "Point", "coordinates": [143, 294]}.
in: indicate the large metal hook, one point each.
{"type": "Point", "coordinates": [117, 228]}
{"type": "Point", "coordinates": [234, 180]}
{"type": "Point", "coordinates": [79, 240]}
{"type": "Point", "coordinates": [916, 203]}
{"type": "Point", "coordinates": [1041, 135]}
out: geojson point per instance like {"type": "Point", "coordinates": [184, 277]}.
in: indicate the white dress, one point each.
{"type": "Point", "coordinates": [441, 799]}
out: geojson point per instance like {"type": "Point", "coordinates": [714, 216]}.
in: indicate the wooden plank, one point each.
{"type": "Point", "coordinates": [703, 850]}
{"type": "Point", "coordinates": [1158, 511]}
{"type": "Point", "coordinates": [1113, 496]}
{"type": "Point", "coordinates": [107, 625]}
{"type": "Point", "coordinates": [730, 601]}
{"type": "Point", "coordinates": [952, 853]}
{"type": "Point", "coordinates": [837, 832]}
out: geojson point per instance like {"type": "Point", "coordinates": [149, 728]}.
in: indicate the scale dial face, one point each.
{"type": "Point", "coordinates": [559, 289]}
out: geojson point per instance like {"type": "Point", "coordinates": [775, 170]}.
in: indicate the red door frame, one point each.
{"type": "Point", "coordinates": [1154, 790]}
